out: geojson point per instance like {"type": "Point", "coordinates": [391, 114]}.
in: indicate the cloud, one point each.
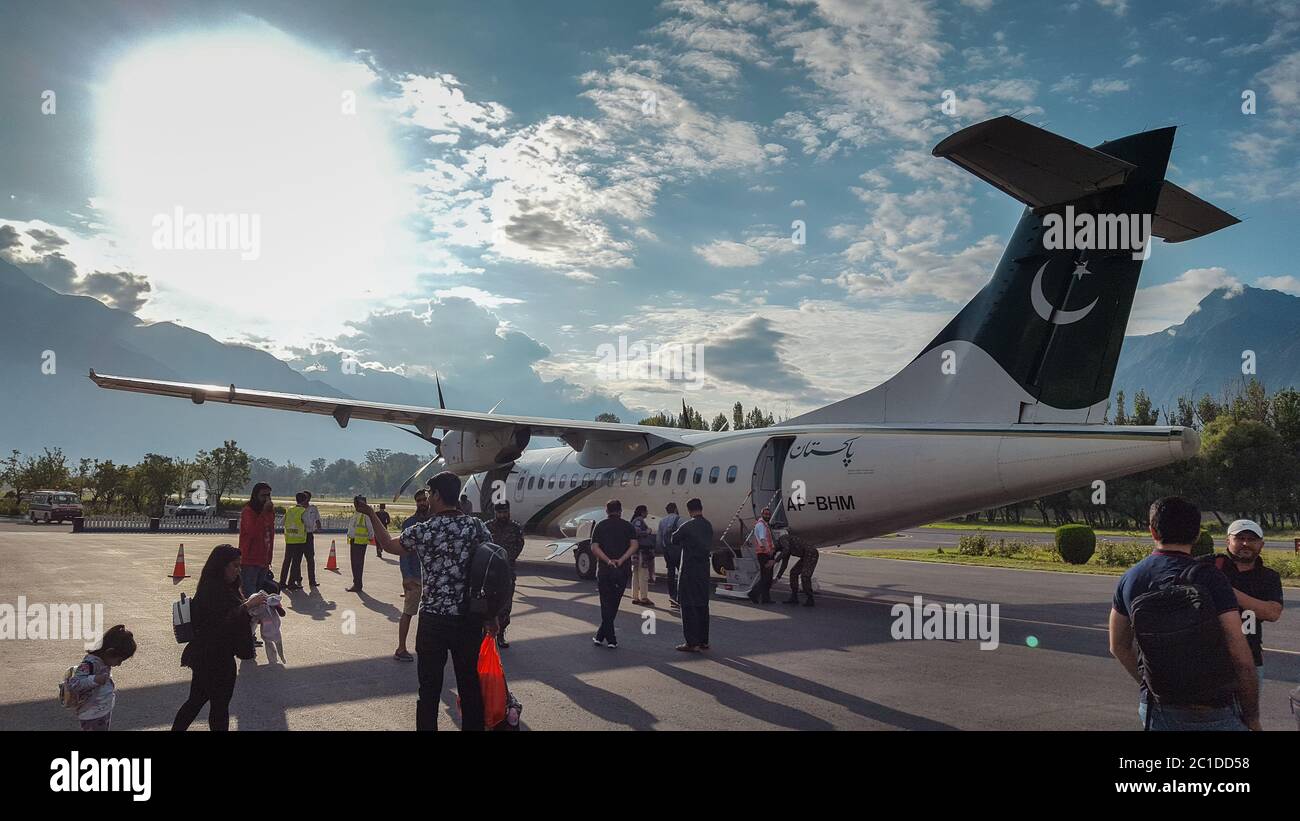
{"type": "Point", "coordinates": [1118, 7]}
{"type": "Point", "coordinates": [1102, 87]}
{"type": "Point", "coordinates": [1191, 65]}
{"type": "Point", "coordinates": [727, 254]}
{"type": "Point", "coordinates": [438, 104]}
{"type": "Point", "coordinates": [1159, 306]}
{"type": "Point", "coordinates": [1283, 80]}
{"type": "Point", "coordinates": [39, 252]}
{"type": "Point", "coordinates": [1289, 283]}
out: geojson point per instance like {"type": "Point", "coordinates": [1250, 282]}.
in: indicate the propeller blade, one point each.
{"type": "Point", "coordinates": [413, 476]}
{"type": "Point", "coordinates": [441, 404]}
{"type": "Point", "coordinates": [433, 440]}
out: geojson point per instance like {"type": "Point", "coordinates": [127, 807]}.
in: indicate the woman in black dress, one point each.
{"type": "Point", "coordinates": [222, 631]}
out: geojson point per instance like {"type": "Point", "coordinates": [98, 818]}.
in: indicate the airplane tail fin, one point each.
{"type": "Point", "coordinates": [1041, 340]}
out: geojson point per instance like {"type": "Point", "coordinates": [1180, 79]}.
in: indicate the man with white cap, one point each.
{"type": "Point", "coordinates": [1258, 588]}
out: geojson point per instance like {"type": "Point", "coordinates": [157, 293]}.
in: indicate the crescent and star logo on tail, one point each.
{"type": "Point", "coordinates": [1044, 307]}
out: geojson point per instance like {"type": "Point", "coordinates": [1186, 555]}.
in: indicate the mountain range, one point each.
{"type": "Point", "coordinates": [49, 341]}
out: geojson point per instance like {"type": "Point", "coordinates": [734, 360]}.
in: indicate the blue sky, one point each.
{"type": "Point", "coordinates": [521, 183]}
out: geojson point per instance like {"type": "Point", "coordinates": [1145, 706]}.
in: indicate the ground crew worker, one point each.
{"type": "Point", "coordinates": [295, 542]}
{"type": "Point", "coordinates": [761, 541]}
{"type": "Point", "coordinates": [507, 534]}
{"type": "Point", "coordinates": [359, 539]}
{"type": "Point", "coordinates": [788, 546]}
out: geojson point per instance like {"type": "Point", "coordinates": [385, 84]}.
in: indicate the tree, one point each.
{"type": "Point", "coordinates": [1143, 414]}
{"type": "Point", "coordinates": [608, 417]}
{"type": "Point", "coordinates": [1120, 417]}
{"type": "Point", "coordinates": [224, 469]}
{"type": "Point", "coordinates": [719, 422]}
{"type": "Point", "coordinates": [158, 476]}
{"type": "Point", "coordinates": [737, 416]}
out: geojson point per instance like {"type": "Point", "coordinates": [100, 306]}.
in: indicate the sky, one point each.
{"type": "Point", "coordinates": [510, 191]}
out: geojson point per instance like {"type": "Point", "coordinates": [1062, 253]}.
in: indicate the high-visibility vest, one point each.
{"type": "Point", "coordinates": [763, 537]}
{"type": "Point", "coordinates": [360, 531]}
{"type": "Point", "coordinates": [295, 531]}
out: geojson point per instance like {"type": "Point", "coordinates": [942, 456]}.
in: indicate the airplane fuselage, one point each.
{"type": "Point", "coordinates": [834, 484]}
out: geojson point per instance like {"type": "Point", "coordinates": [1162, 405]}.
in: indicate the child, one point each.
{"type": "Point", "coordinates": [268, 617]}
{"type": "Point", "coordinates": [92, 682]}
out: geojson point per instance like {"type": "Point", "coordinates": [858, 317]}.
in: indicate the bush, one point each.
{"type": "Point", "coordinates": [1204, 544]}
{"type": "Point", "coordinates": [976, 545]}
{"type": "Point", "coordinates": [1075, 543]}
{"type": "Point", "coordinates": [1121, 554]}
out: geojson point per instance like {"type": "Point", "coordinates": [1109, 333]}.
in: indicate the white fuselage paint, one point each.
{"type": "Point", "coordinates": [859, 481]}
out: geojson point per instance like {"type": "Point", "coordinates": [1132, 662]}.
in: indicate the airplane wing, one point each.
{"type": "Point", "coordinates": [574, 433]}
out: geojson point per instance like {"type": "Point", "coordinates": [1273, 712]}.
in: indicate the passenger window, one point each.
{"type": "Point", "coordinates": [551, 484]}
{"type": "Point", "coordinates": [586, 480]}
{"type": "Point", "coordinates": [520, 486]}
{"type": "Point", "coordinates": [562, 478]}
{"type": "Point", "coordinates": [609, 479]}
{"type": "Point", "coordinates": [695, 477]}
{"type": "Point", "coordinates": [530, 482]}
{"type": "Point", "coordinates": [622, 478]}
{"type": "Point", "coordinates": [573, 480]}
{"type": "Point", "coordinates": [713, 475]}
{"type": "Point", "coordinates": [681, 476]}
{"type": "Point", "coordinates": [731, 474]}
{"type": "Point", "coordinates": [650, 480]}
{"type": "Point", "coordinates": [636, 480]}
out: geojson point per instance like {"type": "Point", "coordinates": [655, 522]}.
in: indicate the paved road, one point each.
{"type": "Point", "coordinates": [776, 667]}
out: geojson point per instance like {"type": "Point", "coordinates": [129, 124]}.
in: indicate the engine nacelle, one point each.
{"type": "Point", "coordinates": [476, 451]}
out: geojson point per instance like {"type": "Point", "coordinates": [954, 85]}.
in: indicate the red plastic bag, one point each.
{"type": "Point", "coordinates": [492, 681]}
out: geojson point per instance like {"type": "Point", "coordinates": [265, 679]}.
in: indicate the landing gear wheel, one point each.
{"type": "Point", "coordinates": [723, 560]}
{"type": "Point", "coordinates": [585, 563]}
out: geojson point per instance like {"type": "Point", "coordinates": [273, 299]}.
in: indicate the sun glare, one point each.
{"type": "Point", "coordinates": [291, 142]}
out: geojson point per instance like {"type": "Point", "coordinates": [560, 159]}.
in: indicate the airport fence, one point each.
{"type": "Point", "coordinates": [185, 524]}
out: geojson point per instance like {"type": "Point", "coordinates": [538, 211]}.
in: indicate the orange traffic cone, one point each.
{"type": "Point", "coordinates": [178, 572]}
{"type": "Point", "coordinates": [333, 563]}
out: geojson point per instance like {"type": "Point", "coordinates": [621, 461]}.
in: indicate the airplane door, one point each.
{"type": "Point", "coordinates": [768, 469]}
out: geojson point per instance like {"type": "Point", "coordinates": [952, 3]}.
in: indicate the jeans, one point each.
{"type": "Point", "coordinates": [611, 582]}
{"type": "Point", "coordinates": [434, 639]}
{"type": "Point", "coordinates": [1171, 718]}
{"type": "Point", "coordinates": [251, 578]}
{"type": "Point", "coordinates": [670, 562]}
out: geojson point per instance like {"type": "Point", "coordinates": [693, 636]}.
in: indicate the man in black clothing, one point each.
{"type": "Point", "coordinates": [1258, 588]}
{"type": "Point", "coordinates": [384, 519]}
{"type": "Point", "coordinates": [613, 542]}
{"type": "Point", "coordinates": [695, 539]}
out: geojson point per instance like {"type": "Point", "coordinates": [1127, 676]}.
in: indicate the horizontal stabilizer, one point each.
{"type": "Point", "coordinates": [1037, 167]}
{"type": "Point", "coordinates": [1181, 215]}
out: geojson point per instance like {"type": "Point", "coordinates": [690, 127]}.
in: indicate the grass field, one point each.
{"type": "Point", "coordinates": [1284, 563]}
{"type": "Point", "coordinates": [1036, 526]}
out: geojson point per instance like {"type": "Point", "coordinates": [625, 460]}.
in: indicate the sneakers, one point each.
{"type": "Point", "coordinates": [688, 648]}
{"type": "Point", "coordinates": [613, 645]}
{"type": "Point", "coordinates": [501, 640]}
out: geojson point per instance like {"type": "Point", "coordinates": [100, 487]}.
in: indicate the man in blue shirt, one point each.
{"type": "Point", "coordinates": [1175, 523]}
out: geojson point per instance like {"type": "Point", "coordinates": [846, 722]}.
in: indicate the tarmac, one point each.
{"type": "Point", "coordinates": [832, 666]}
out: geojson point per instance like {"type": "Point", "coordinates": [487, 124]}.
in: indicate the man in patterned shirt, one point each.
{"type": "Point", "coordinates": [444, 544]}
{"type": "Point", "coordinates": [506, 533]}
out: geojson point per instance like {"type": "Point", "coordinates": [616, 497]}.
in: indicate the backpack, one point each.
{"type": "Point", "coordinates": [68, 698]}
{"type": "Point", "coordinates": [489, 585]}
{"type": "Point", "coordinates": [181, 624]}
{"type": "Point", "coordinates": [1180, 642]}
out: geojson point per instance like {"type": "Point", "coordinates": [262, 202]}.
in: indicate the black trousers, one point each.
{"type": "Point", "coordinates": [763, 589]}
{"type": "Point", "coordinates": [291, 567]}
{"type": "Point", "coordinates": [611, 582]}
{"type": "Point", "coordinates": [695, 623]}
{"type": "Point", "coordinates": [308, 553]}
{"type": "Point", "coordinates": [358, 562]}
{"type": "Point", "coordinates": [435, 638]}
{"type": "Point", "coordinates": [212, 682]}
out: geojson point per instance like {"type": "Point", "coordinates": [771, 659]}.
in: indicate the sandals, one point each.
{"type": "Point", "coordinates": [402, 655]}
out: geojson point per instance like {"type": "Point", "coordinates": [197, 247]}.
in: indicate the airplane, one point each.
{"type": "Point", "coordinates": [1006, 404]}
